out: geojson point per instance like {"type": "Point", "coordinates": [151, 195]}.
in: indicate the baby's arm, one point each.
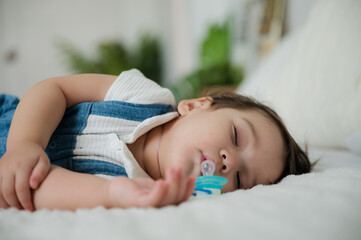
{"type": "Point", "coordinates": [63, 189]}
{"type": "Point", "coordinates": [25, 163]}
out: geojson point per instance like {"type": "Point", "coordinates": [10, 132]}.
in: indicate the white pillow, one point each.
{"type": "Point", "coordinates": [313, 79]}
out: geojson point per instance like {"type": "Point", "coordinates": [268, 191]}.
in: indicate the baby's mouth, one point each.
{"type": "Point", "coordinates": [196, 169]}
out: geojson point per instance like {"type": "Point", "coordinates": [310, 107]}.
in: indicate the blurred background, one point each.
{"type": "Point", "coordinates": [186, 45]}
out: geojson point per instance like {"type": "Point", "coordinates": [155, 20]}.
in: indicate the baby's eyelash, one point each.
{"type": "Point", "coordinates": [238, 181]}
{"type": "Point", "coordinates": [235, 136]}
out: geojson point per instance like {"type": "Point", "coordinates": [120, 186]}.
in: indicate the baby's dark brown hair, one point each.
{"type": "Point", "coordinates": [296, 161]}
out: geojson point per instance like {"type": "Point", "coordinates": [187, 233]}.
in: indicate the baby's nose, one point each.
{"type": "Point", "coordinates": [227, 162]}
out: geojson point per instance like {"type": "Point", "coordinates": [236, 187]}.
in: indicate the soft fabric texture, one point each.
{"type": "Point", "coordinates": [313, 79]}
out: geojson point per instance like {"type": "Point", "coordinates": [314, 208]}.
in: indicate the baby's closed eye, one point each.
{"type": "Point", "coordinates": [235, 133]}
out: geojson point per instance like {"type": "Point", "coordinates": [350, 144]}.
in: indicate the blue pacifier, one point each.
{"type": "Point", "coordinates": [208, 184]}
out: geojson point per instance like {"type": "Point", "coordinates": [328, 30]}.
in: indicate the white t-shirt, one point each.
{"type": "Point", "coordinates": [104, 137]}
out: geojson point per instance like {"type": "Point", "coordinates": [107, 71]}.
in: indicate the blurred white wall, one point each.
{"type": "Point", "coordinates": [29, 30]}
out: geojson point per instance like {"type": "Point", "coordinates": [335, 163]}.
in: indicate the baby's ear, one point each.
{"type": "Point", "coordinates": [186, 106]}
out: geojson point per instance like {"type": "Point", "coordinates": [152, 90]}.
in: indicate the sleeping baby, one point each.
{"type": "Point", "coordinates": [90, 140]}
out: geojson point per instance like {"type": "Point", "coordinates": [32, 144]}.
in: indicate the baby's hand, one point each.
{"type": "Point", "coordinates": [144, 192]}
{"type": "Point", "coordinates": [21, 169]}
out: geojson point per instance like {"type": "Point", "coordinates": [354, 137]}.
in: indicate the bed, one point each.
{"type": "Point", "coordinates": [313, 79]}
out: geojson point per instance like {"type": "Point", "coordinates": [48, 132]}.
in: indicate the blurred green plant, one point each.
{"type": "Point", "coordinates": [215, 68]}
{"type": "Point", "coordinates": [113, 58]}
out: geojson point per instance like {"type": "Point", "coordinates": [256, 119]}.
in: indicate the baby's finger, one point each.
{"type": "Point", "coordinates": [172, 178]}
{"type": "Point", "coordinates": [3, 203]}
{"type": "Point", "coordinates": [23, 191]}
{"type": "Point", "coordinates": [182, 185]}
{"type": "Point", "coordinates": [39, 172]}
{"type": "Point", "coordinates": [189, 188]}
{"type": "Point", "coordinates": [8, 186]}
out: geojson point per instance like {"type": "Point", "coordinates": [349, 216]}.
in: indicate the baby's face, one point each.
{"type": "Point", "coordinates": [246, 147]}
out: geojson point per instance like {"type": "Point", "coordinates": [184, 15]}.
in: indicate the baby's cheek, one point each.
{"type": "Point", "coordinates": [176, 160]}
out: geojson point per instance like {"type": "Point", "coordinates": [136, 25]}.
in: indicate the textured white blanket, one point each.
{"type": "Point", "coordinates": [324, 204]}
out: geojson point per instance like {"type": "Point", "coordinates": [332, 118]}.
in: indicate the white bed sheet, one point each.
{"type": "Point", "coordinates": [325, 204]}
